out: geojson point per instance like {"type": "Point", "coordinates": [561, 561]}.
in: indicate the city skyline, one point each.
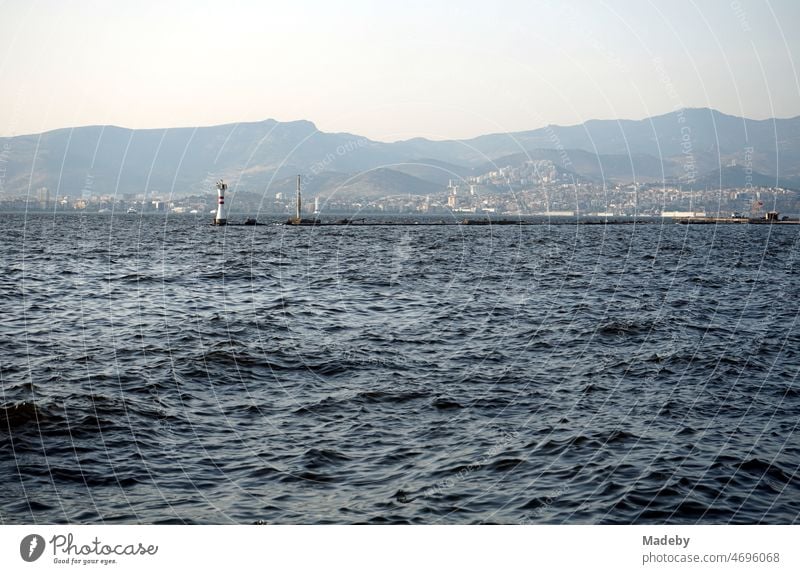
{"type": "Point", "coordinates": [439, 71]}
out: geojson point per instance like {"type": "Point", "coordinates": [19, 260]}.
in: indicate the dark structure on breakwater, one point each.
{"type": "Point", "coordinates": [771, 217]}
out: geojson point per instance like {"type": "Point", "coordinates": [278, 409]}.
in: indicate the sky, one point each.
{"type": "Point", "coordinates": [392, 70]}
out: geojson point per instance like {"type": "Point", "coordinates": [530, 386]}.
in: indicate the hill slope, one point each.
{"type": "Point", "coordinates": [688, 144]}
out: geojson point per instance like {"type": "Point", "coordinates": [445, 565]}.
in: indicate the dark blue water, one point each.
{"type": "Point", "coordinates": [162, 370]}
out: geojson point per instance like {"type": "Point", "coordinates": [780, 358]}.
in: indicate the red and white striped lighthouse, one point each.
{"type": "Point", "coordinates": [220, 218]}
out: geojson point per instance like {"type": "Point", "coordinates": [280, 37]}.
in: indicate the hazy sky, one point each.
{"type": "Point", "coordinates": [392, 70]}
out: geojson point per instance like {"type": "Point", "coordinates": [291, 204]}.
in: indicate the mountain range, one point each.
{"type": "Point", "coordinates": [694, 146]}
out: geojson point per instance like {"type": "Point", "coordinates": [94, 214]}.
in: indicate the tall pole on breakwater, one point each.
{"type": "Point", "coordinates": [297, 211]}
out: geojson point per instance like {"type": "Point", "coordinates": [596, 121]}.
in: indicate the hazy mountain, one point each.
{"type": "Point", "coordinates": [636, 167]}
{"type": "Point", "coordinates": [709, 137]}
{"type": "Point", "coordinates": [382, 182]}
{"type": "Point", "coordinates": [433, 170]}
{"type": "Point", "coordinates": [372, 183]}
{"type": "Point", "coordinates": [738, 176]}
{"type": "Point", "coordinates": [257, 156]}
{"type": "Point", "coordinates": [180, 160]}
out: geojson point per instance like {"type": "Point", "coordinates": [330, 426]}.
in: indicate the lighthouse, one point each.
{"type": "Point", "coordinates": [220, 217]}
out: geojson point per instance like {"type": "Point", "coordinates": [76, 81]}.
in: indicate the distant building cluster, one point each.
{"type": "Point", "coordinates": [153, 202]}
{"type": "Point", "coordinates": [533, 188]}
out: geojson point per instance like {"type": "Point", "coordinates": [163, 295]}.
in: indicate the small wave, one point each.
{"type": "Point", "coordinates": [309, 476]}
{"type": "Point", "coordinates": [619, 327]}
{"type": "Point", "coordinates": [315, 458]}
{"type": "Point", "coordinates": [91, 479]}
{"type": "Point", "coordinates": [390, 397]}
{"type": "Point", "coordinates": [141, 278]}
{"type": "Point", "coordinates": [788, 392]}
{"type": "Point", "coordinates": [494, 403]}
{"type": "Point", "coordinates": [505, 464]}
{"type": "Point", "coordinates": [443, 403]}
{"type": "Point", "coordinates": [338, 403]}
{"type": "Point", "coordinates": [80, 427]}
{"type": "Point", "coordinates": [558, 446]}
{"type": "Point", "coordinates": [21, 414]}
{"type": "Point", "coordinates": [760, 467]}
{"type": "Point", "coordinates": [619, 436]}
